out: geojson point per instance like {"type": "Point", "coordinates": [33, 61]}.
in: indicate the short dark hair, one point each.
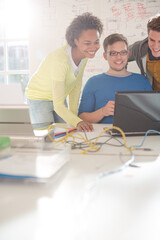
{"type": "Point", "coordinates": [82, 22]}
{"type": "Point", "coordinates": [154, 24]}
{"type": "Point", "coordinates": [115, 37]}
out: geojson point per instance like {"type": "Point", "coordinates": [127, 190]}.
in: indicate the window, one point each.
{"type": "Point", "coordinates": [14, 41]}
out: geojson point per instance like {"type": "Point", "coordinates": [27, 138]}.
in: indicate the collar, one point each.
{"type": "Point", "coordinates": [75, 68]}
{"type": "Point", "coordinates": [151, 57]}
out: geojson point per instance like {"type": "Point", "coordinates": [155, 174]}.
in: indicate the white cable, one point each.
{"type": "Point", "coordinates": [105, 174]}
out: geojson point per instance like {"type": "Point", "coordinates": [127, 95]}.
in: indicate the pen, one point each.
{"type": "Point", "coordinates": [61, 134]}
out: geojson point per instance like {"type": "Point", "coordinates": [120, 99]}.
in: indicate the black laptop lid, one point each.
{"type": "Point", "coordinates": [137, 111]}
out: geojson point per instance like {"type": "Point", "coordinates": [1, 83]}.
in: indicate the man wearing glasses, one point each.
{"type": "Point", "coordinates": [97, 102]}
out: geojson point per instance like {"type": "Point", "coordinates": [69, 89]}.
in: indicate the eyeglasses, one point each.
{"type": "Point", "coordinates": [115, 53]}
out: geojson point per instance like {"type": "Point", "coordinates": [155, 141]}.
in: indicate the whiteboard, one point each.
{"type": "Point", "coordinates": [51, 18]}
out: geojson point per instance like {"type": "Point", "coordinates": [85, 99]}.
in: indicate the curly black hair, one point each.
{"type": "Point", "coordinates": [82, 22]}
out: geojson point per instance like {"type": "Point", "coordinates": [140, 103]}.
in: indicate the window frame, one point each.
{"type": "Point", "coordinates": [7, 72]}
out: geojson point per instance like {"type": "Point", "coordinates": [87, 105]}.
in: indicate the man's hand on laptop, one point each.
{"type": "Point", "coordinates": [108, 109]}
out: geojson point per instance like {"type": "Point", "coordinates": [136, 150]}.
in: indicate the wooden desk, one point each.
{"type": "Point", "coordinates": [123, 206]}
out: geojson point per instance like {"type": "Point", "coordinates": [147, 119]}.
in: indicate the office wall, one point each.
{"type": "Point", "coordinates": [51, 17]}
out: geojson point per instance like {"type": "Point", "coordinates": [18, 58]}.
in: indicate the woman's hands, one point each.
{"type": "Point", "coordinates": [85, 126]}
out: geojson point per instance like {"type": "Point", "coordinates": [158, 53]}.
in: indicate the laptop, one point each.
{"type": "Point", "coordinates": [136, 112]}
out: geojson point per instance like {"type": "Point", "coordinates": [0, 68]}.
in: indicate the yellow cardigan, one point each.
{"type": "Point", "coordinates": [54, 81]}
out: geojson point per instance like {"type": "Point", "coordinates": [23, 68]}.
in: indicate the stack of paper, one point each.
{"type": "Point", "coordinates": [33, 166]}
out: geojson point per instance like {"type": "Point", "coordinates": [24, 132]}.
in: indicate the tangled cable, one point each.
{"type": "Point", "coordinates": [76, 135]}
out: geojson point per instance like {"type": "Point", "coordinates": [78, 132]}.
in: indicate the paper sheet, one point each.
{"type": "Point", "coordinates": [34, 165]}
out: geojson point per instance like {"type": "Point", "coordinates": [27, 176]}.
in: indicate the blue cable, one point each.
{"type": "Point", "coordinates": [149, 131]}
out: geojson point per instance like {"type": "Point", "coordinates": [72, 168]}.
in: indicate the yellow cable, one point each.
{"type": "Point", "coordinates": [67, 134]}
{"type": "Point", "coordinates": [52, 126]}
{"type": "Point", "coordinates": [107, 129]}
{"type": "Point", "coordinates": [90, 144]}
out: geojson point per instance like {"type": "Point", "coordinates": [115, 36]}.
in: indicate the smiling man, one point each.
{"type": "Point", "coordinates": [147, 53]}
{"type": "Point", "coordinates": [97, 102]}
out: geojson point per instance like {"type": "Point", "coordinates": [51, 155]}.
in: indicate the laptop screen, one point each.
{"type": "Point", "coordinates": [137, 111]}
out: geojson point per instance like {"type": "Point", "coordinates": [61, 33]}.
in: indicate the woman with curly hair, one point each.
{"type": "Point", "coordinates": [60, 75]}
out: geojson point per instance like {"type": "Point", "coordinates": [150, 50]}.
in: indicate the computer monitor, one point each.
{"type": "Point", "coordinates": [137, 111]}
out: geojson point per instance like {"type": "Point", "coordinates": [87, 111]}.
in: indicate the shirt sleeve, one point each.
{"type": "Point", "coordinates": [59, 106]}
{"type": "Point", "coordinates": [148, 86]}
{"type": "Point", "coordinates": [87, 103]}
{"type": "Point", "coordinates": [74, 97]}
{"type": "Point", "coordinates": [133, 51]}
{"type": "Point", "coordinates": [60, 90]}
